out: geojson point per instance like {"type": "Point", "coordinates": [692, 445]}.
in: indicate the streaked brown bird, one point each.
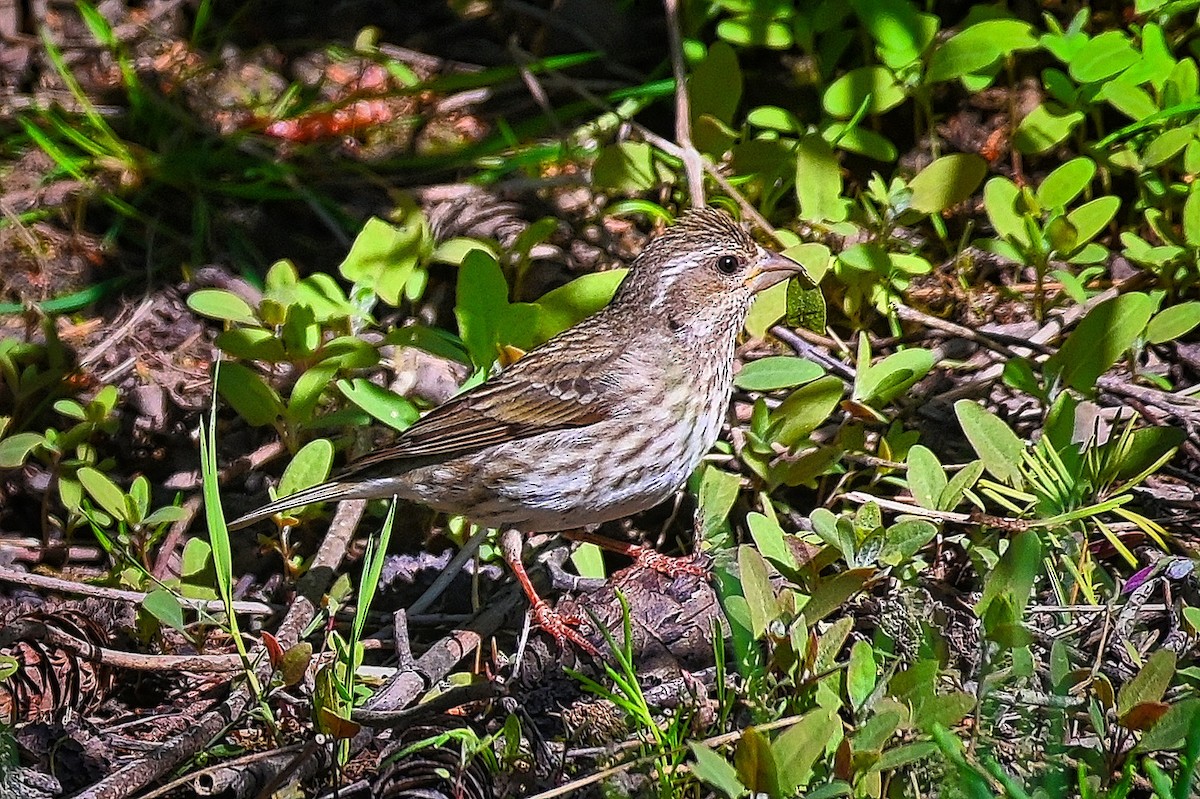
{"type": "Point", "coordinates": [604, 420]}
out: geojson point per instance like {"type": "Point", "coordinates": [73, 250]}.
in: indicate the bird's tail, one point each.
{"type": "Point", "coordinates": [318, 493]}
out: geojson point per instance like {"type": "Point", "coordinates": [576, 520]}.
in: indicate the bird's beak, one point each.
{"type": "Point", "coordinates": [772, 268]}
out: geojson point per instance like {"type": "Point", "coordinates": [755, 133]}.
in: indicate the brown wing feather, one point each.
{"type": "Point", "coordinates": [518, 403]}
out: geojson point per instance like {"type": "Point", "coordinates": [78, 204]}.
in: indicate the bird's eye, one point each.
{"type": "Point", "coordinates": [729, 264]}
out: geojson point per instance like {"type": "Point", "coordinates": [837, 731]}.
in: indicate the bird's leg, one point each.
{"type": "Point", "coordinates": [643, 556]}
{"type": "Point", "coordinates": [561, 628]}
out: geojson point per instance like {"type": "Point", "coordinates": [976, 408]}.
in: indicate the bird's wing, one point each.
{"type": "Point", "coordinates": [518, 403]}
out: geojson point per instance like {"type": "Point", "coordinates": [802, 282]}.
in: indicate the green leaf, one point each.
{"type": "Point", "coordinates": [1066, 182]}
{"type": "Point", "coordinates": [1167, 145]}
{"type": "Point", "coordinates": [716, 771]}
{"type": "Point", "coordinates": [926, 478]}
{"type": "Point", "coordinates": [770, 539]}
{"type": "Point", "coordinates": [756, 588]}
{"type": "Point", "coordinates": [1104, 335]}
{"type": "Point", "coordinates": [718, 491]}
{"type": "Point", "coordinates": [1044, 128]}
{"type": "Point", "coordinates": [164, 606]}
{"type": "Point", "coordinates": [1149, 684]}
{"type": "Point", "coordinates": [767, 308]}
{"type": "Point", "coordinates": [846, 95]}
{"type": "Point", "coordinates": [252, 344]}
{"type": "Point", "coordinates": [978, 47]}
{"type": "Point", "coordinates": [804, 410]}
{"type": "Point", "coordinates": [248, 394]}
{"type": "Point", "coordinates": [1173, 322]}
{"type": "Point", "coordinates": [997, 446]}
{"type": "Point", "coordinates": [755, 31]}
{"type": "Point", "coordinates": [1091, 217]}
{"type": "Point", "coordinates": [626, 168]}
{"type": "Point", "coordinates": [70, 409]}
{"type": "Point", "coordinates": [309, 467]}
{"type": "Point", "coordinates": [1171, 730]}
{"type": "Point", "coordinates": [387, 406]}
{"type": "Point", "coordinates": [383, 255]}
{"type": "Point", "coordinates": [818, 180]}
{"type": "Point", "coordinates": [104, 491]}
{"type": "Point", "coordinates": [900, 32]}
{"type": "Point", "coordinates": [1012, 579]}
{"type": "Point", "coordinates": [1191, 216]}
{"type": "Point", "coordinates": [905, 539]}
{"type": "Point", "coordinates": [755, 763]}
{"type": "Point", "coordinates": [860, 674]}
{"type": "Point", "coordinates": [223, 305]}
{"type": "Point", "coordinates": [797, 748]}
{"type": "Point", "coordinates": [772, 117]}
{"type": "Point", "coordinates": [1102, 57]}
{"type": "Point", "coordinates": [954, 491]}
{"type": "Point", "coordinates": [715, 85]}
{"type": "Point", "coordinates": [806, 309]}
{"type": "Point", "coordinates": [881, 382]}
{"type": "Point", "coordinates": [16, 448]}
{"type": "Point", "coordinates": [999, 200]}
{"type": "Point", "coordinates": [777, 371]}
{"type": "Point", "coordinates": [567, 305]}
{"type": "Point", "coordinates": [455, 250]}
{"type": "Point", "coordinates": [1132, 101]}
{"type": "Point", "coordinates": [946, 182]}
{"type": "Point", "coordinates": [165, 515]}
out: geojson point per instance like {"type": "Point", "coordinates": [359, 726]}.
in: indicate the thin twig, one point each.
{"type": "Point", "coordinates": [692, 162]}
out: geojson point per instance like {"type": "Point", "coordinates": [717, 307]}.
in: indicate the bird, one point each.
{"type": "Point", "coordinates": [604, 420]}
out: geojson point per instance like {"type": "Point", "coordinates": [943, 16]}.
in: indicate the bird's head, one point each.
{"type": "Point", "coordinates": [705, 268]}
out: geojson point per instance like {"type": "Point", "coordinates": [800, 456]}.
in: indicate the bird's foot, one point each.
{"type": "Point", "coordinates": [561, 627]}
{"type": "Point", "coordinates": [647, 558]}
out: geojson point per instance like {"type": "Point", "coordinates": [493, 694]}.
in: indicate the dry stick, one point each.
{"type": "Point", "coordinates": [310, 588]}
{"type": "Point", "coordinates": [118, 595]}
{"type": "Point", "coordinates": [28, 629]}
{"type": "Point", "coordinates": [692, 163]}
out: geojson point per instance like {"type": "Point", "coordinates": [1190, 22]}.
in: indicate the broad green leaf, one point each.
{"type": "Point", "coordinates": [818, 180]}
{"type": "Point", "coordinates": [718, 491]}
{"type": "Point", "coordinates": [164, 606]}
{"type": "Point", "coordinates": [881, 382]}
{"type": "Point", "coordinates": [1191, 216]}
{"type": "Point", "coordinates": [248, 394]}
{"type": "Point", "coordinates": [1131, 100]}
{"type": "Point", "coordinates": [756, 31]}
{"type": "Point", "coordinates": [455, 250]}
{"type": "Point", "coordinates": [1172, 729]}
{"type": "Point", "coordinates": [1091, 217]}
{"type": "Point", "coordinates": [715, 85]}
{"type": "Point", "coordinates": [904, 539]}
{"type": "Point", "coordinates": [901, 33]}
{"type": "Point", "coordinates": [756, 587]}
{"type": "Point", "coordinates": [1149, 684]}
{"type": "Point", "coordinates": [768, 308]}
{"type": "Point", "coordinates": [797, 748]}
{"type": "Point", "coordinates": [308, 467]}
{"type": "Point", "coordinates": [831, 593]}
{"type": "Point", "coordinates": [964, 479]}
{"type": "Point", "coordinates": [926, 478]}
{"type": "Point", "coordinates": [16, 448]}
{"type": "Point", "coordinates": [223, 305]}
{"type": "Point", "coordinates": [566, 305]}
{"type": "Point", "coordinates": [772, 117]}
{"type": "Point", "coordinates": [627, 168]}
{"type": "Point", "coordinates": [1173, 322]}
{"type": "Point", "coordinates": [770, 539]}
{"type": "Point", "coordinates": [755, 762]}
{"type": "Point", "coordinates": [1102, 57]}
{"type": "Point", "coordinates": [846, 95]}
{"type": "Point", "coordinates": [997, 446]}
{"type": "Point", "coordinates": [252, 344]}
{"type": "Point", "coordinates": [804, 410]}
{"type": "Point", "coordinates": [1167, 145]}
{"type": "Point", "coordinates": [806, 309]}
{"type": "Point", "coordinates": [716, 771]}
{"type": "Point", "coordinates": [947, 182]}
{"type": "Point", "coordinates": [1045, 127]}
{"type": "Point", "coordinates": [1012, 579]}
{"type": "Point", "coordinates": [860, 674]}
{"type": "Point", "coordinates": [1066, 182]}
{"type": "Point", "coordinates": [977, 47]}
{"type": "Point", "coordinates": [104, 491]}
{"type": "Point", "coordinates": [999, 200]}
{"type": "Point", "coordinates": [1104, 335]}
{"type": "Point", "coordinates": [384, 255]}
{"type": "Point", "coordinates": [863, 141]}
{"type": "Point", "coordinates": [387, 406]}
{"type": "Point", "coordinates": [777, 371]}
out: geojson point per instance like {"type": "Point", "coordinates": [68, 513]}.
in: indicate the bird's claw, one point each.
{"type": "Point", "coordinates": [694, 565]}
{"type": "Point", "coordinates": [561, 627]}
